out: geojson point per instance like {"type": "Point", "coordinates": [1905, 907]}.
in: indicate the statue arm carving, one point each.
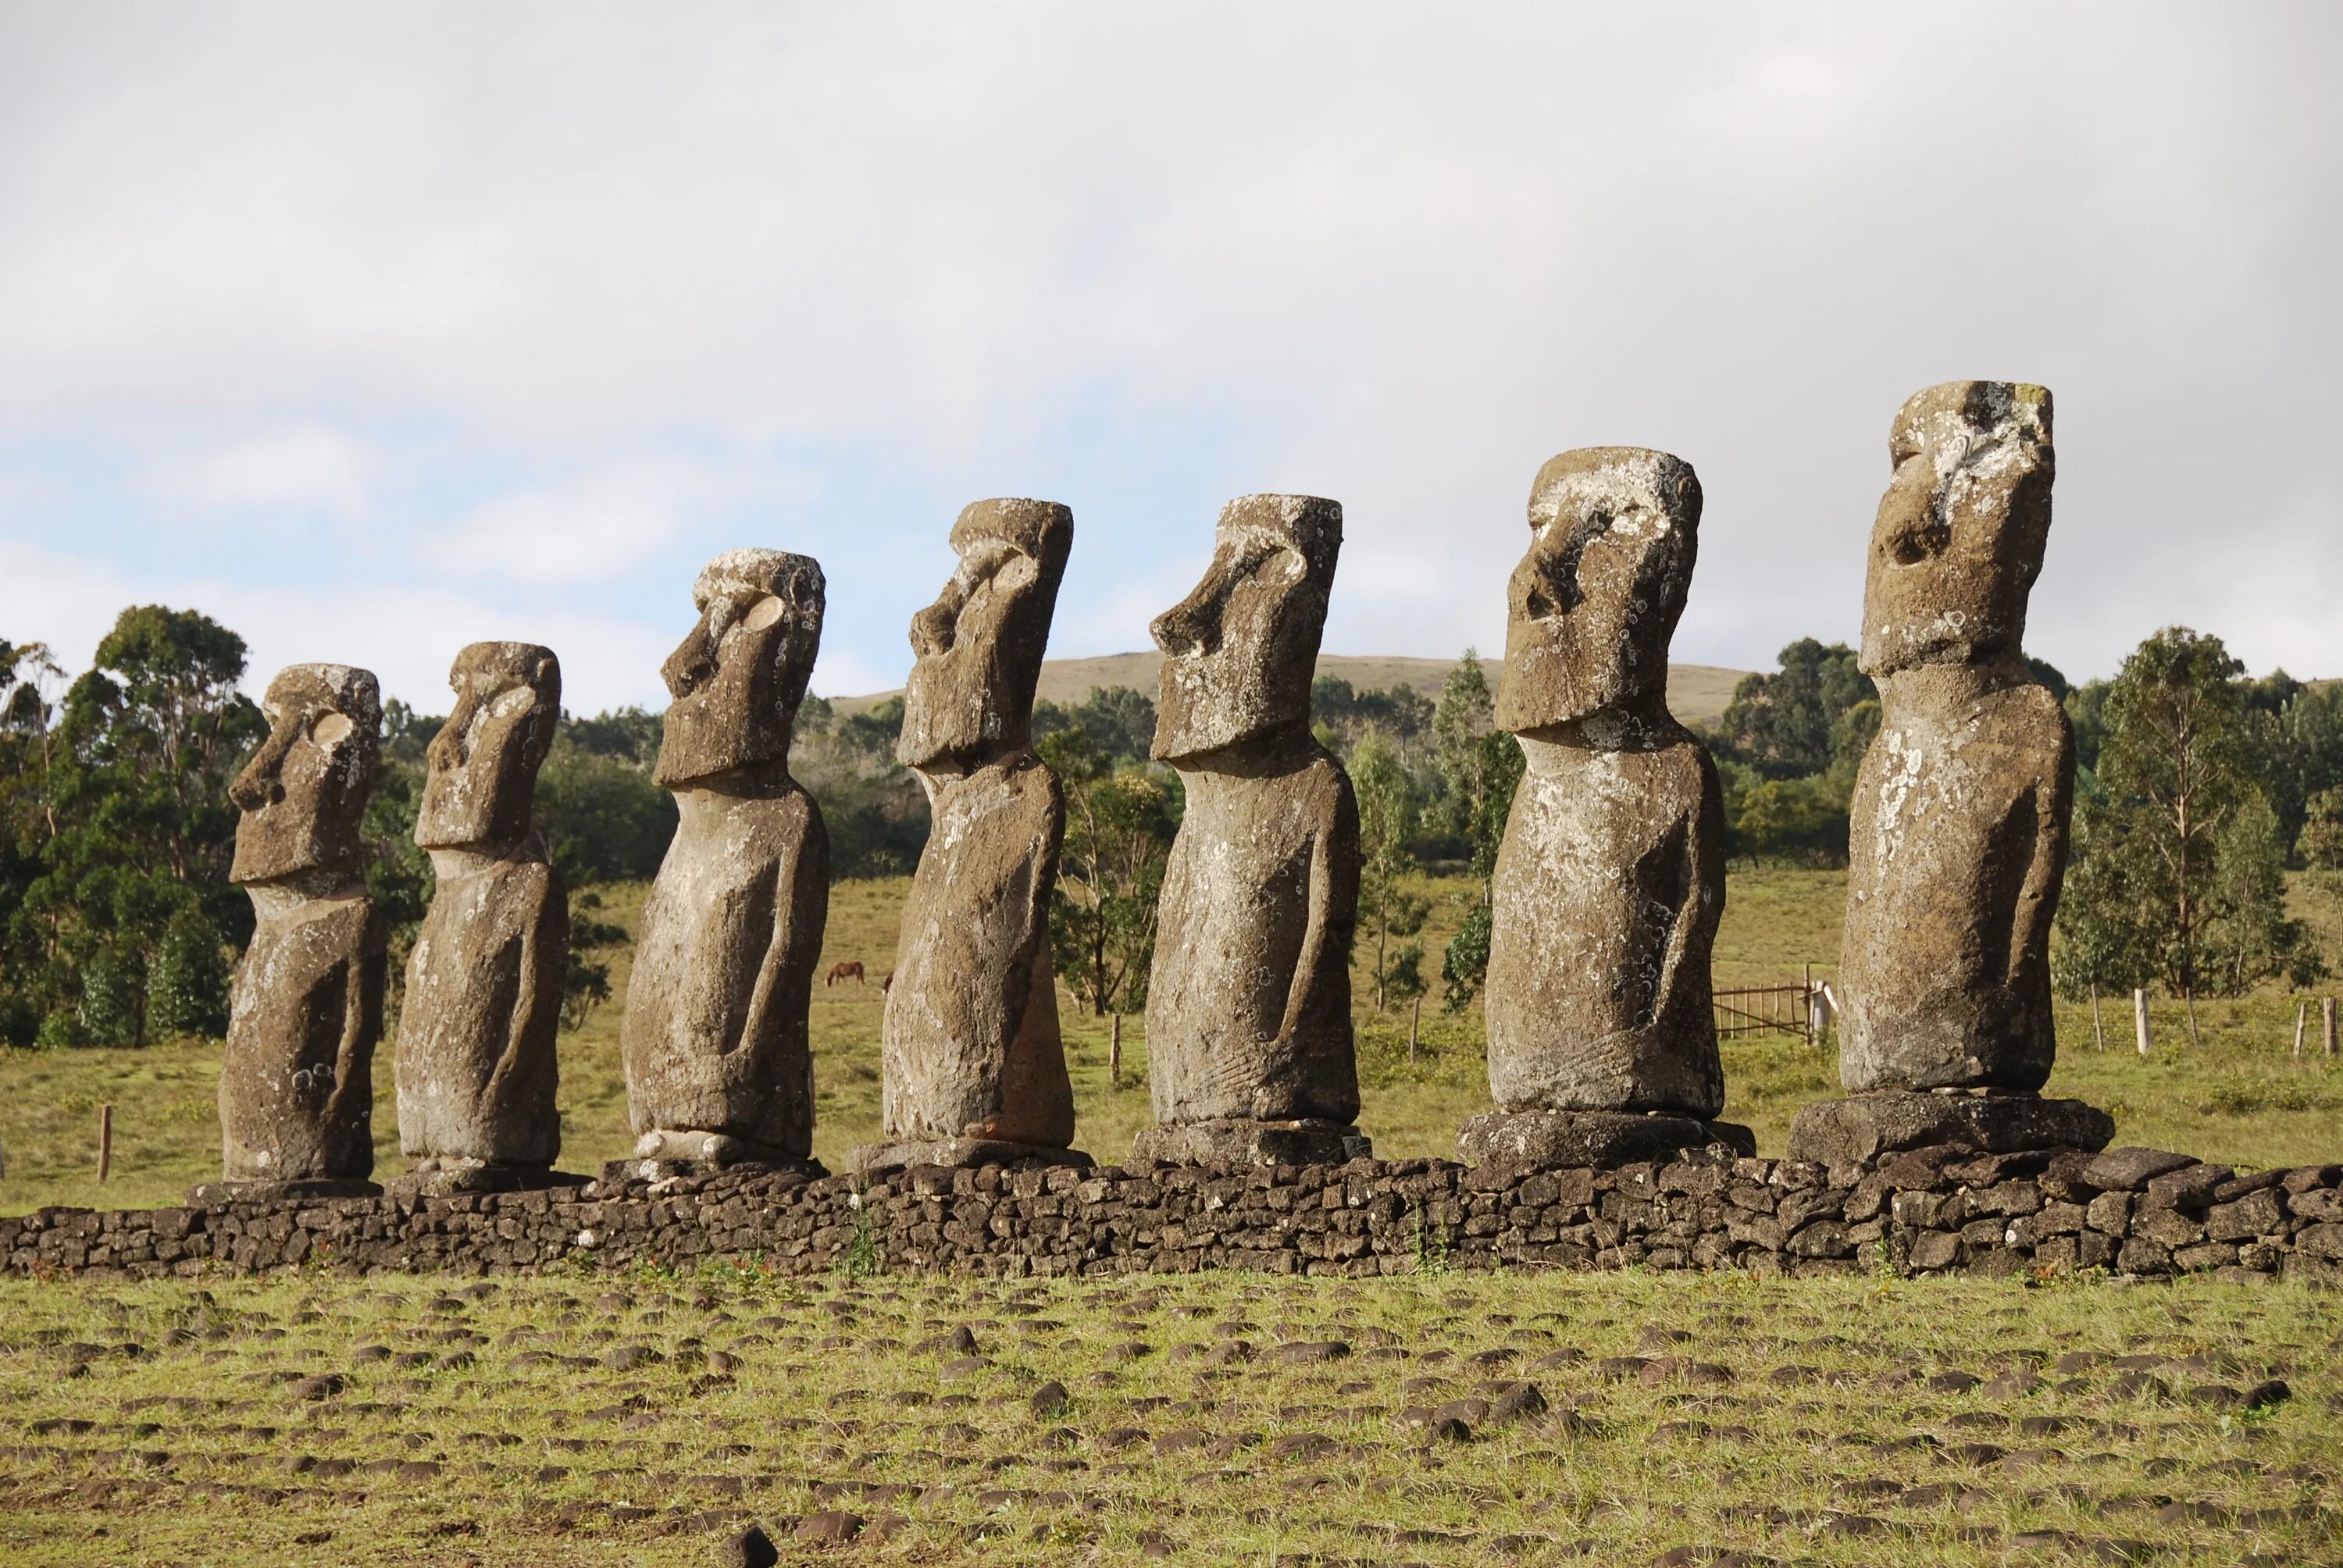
{"type": "Point", "coordinates": [361, 1013]}
{"type": "Point", "coordinates": [801, 904]}
{"type": "Point", "coordinates": [2046, 868]}
{"type": "Point", "coordinates": [1701, 859]}
{"type": "Point", "coordinates": [1333, 889]}
{"type": "Point", "coordinates": [544, 957]}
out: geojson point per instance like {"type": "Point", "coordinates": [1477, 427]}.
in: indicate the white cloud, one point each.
{"type": "Point", "coordinates": [308, 468]}
{"type": "Point", "coordinates": [1380, 253]}
{"type": "Point", "coordinates": [407, 636]}
{"type": "Point", "coordinates": [582, 530]}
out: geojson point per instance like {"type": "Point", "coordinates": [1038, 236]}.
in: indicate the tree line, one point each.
{"type": "Point", "coordinates": [2198, 786]}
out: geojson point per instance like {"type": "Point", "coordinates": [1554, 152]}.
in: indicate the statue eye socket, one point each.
{"type": "Point", "coordinates": [511, 704]}
{"type": "Point", "coordinates": [330, 729]}
{"type": "Point", "coordinates": [765, 613]}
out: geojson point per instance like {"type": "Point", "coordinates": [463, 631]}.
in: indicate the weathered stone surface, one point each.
{"type": "Point", "coordinates": [904, 1153]}
{"type": "Point", "coordinates": [1988, 1215]}
{"type": "Point", "coordinates": [1866, 1126]}
{"type": "Point", "coordinates": [296, 1074]}
{"type": "Point", "coordinates": [717, 1035]}
{"type": "Point", "coordinates": [1959, 819]}
{"type": "Point", "coordinates": [1251, 1140]}
{"type": "Point", "coordinates": [972, 1063]}
{"type": "Point", "coordinates": [1249, 1006]}
{"type": "Point", "coordinates": [1960, 812]}
{"type": "Point", "coordinates": [477, 1074]}
{"type": "Point", "coordinates": [1611, 881]}
{"type": "Point", "coordinates": [1551, 1139]}
{"type": "Point", "coordinates": [2131, 1170]}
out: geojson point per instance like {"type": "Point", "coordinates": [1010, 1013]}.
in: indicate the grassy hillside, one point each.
{"type": "Point", "coordinates": [2240, 1097]}
{"type": "Point", "coordinates": [1698, 693]}
{"type": "Point", "coordinates": [574, 1421]}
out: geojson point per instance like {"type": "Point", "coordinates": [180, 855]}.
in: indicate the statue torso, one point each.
{"type": "Point", "coordinates": [1235, 917]}
{"type": "Point", "coordinates": [716, 1032]}
{"type": "Point", "coordinates": [1948, 816]}
{"type": "Point", "coordinates": [1609, 857]}
{"type": "Point", "coordinates": [973, 994]}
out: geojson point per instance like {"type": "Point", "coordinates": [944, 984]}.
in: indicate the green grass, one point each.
{"type": "Point", "coordinates": [769, 1399]}
{"type": "Point", "coordinates": [2239, 1096]}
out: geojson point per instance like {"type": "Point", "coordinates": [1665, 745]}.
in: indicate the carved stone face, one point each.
{"type": "Point", "coordinates": [1962, 527]}
{"type": "Point", "coordinates": [737, 679]}
{"type": "Point", "coordinates": [1614, 531]}
{"type": "Point", "coordinates": [979, 645]}
{"type": "Point", "coordinates": [482, 767]}
{"type": "Point", "coordinates": [1240, 652]}
{"type": "Point", "coordinates": [304, 791]}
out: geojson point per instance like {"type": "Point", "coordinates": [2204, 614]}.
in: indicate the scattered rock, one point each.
{"type": "Point", "coordinates": [2131, 1170]}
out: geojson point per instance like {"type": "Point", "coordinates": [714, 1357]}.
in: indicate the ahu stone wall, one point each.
{"type": "Point", "coordinates": [1939, 1210]}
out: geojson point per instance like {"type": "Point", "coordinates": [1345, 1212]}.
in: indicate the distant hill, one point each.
{"type": "Point", "coordinates": [1697, 692]}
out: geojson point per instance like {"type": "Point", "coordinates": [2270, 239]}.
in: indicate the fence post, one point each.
{"type": "Point", "coordinates": [2139, 1016]}
{"type": "Point", "coordinates": [104, 1143]}
{"type": "Point", "coordinates": [2098, 1031]}
{"type": "Point", "coordinates": [2326, 1014]}
{"type": "Point", "coordinates": [1415, 1029]}
{"type": "Point", "coordinates": [1114, 1055]}
{"type": "Point", "coordinates": [2301, 1023]}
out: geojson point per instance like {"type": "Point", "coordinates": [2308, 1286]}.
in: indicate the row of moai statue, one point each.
{"type": "Point", "coordinates": [1601, 1033]}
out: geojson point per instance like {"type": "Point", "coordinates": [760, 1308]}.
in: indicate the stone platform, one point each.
{"type": "Point", "coordinates": [618, 1173]}
{"type": "Point", "coordinates": [481, 1179]}
{"type": "Point", "coordinates": [1944, 1210]}
{"type": "Point", "coordinates": [217, 1194]}
{"type": "Point", "coordinates": [951, 1151]}
{"type": "Point", "coordinates": [1868, 1126]}
{"type": "Point", "coordinates": [1237, 1142]}
{"type": "Point", "coordinates": [1549, 1139]}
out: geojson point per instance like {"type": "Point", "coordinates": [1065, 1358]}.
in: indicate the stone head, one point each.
{"type": "Point", "coordinates": [1614, 532]}
{"type": "Point", "coordinates": [481, 771]}
{"type": "Point", "coordinates": [1962, 527]}
{"type": "Point", "coordinates": [1240, 652]}
{"type": "Point", "coordinates": [979, 647]}
{"type": "Point", "coordinates": [738, 677]}
{"type": "Point", "coordinates": [305, 791]}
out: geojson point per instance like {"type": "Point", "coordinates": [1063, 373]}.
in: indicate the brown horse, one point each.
{"type": "Point", "coordinates": [851, 970]}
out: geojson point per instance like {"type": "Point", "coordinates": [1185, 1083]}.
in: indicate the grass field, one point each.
{"type": "Point", "coordinates": [576, 1421]}
{"type": "Point", "coordinates": [2239, 1097]}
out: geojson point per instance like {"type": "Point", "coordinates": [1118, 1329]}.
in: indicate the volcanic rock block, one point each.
{"type": "Point", "coordinates": [1611, 881]}
{"type": "Point", "coordinates": [1862, 1127]}
{"type": "Point", "coordinates": [1958, 834]}
{"type": "Point", "coordinates": [1248, 1032]}
{"type": "Point", "coordinates": [296, 1074]}
{"type": "Point", "coordinates": [477, 1074]}
{"type": "Point", "coordinates": [1560, 1140]}
{"type": "Point", "coordinates": [718, 1057]}
{"type": "Point", "coordinates": [974, 1071]}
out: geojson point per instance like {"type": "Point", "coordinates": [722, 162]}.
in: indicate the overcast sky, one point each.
{"type": "Point", "coordinates": [375, 330]}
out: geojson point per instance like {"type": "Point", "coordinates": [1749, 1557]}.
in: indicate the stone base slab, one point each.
{"type": "Point", "coordinates": [1244, 1142]}
{"type": "Point", "coordinates": [214, 1195]}
{"type": "Point", "coordinates": [472, 1179]}
{"type": "Point", "coordinates": [617, 1172]}
{"type": "Point", "coordinates": [1863, 1127]}
{"type": "Point", "coordinates": [960, 1151]}
{"type": "Point", "coordinates": [1551, 1140]}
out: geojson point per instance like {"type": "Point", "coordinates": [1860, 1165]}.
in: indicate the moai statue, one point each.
{"type": "Point", "coordinates": [719, 1066]}
{"type": "Point", "coordinates": [1958, 834]}
{"type": "Point", "coordinates": [476, 1035]}
{"type": "Point", "coordinates": [1249, 1043]}
{"type": "Point", "coordinates": [296, 1077]}
{"type": "Point", "coordinates": [1611, 881]}
{"type": "Point", "coordinates": [974, 1071]}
